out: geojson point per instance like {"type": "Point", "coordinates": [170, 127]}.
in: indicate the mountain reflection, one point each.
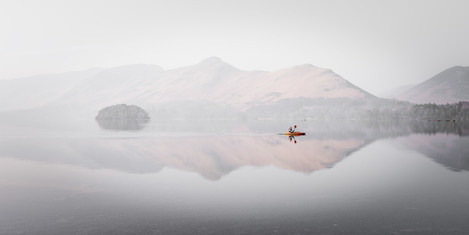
{"type": "Point", "coordinates": [450, 151]}
{"type": "Point", "coordinates": [213, 156]}
{"type": "Point", "coordinates": [210, 156]}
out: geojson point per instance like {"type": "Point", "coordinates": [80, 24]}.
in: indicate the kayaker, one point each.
{"type": "Point", "coordinates": [292, 130]}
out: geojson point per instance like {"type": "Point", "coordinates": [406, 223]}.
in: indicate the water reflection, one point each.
{"type": "Point", "coordinates": [122, 124]}
{"type": "Point", "coordinates": [210, 156]}
{"type": "Point", "coordinates": [213, 156]}
{"type": "Point", "coordinates": [436, 127]}
{"type": "Point", "coordinates": [59, 182]}
{"type": "Point", "coordinates": [290, 137]}
{"type": "Point", "coordinates": [448, 150]}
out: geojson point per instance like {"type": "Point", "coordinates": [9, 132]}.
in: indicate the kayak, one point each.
{"type": "Point", "coordinates": [293, 134]}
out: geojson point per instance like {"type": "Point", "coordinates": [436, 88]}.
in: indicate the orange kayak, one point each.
{"type": "Point", "coordinates": [293, 133]}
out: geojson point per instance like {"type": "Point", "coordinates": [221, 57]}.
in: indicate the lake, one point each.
{"type": "Point", "coordinates": [235, 177]}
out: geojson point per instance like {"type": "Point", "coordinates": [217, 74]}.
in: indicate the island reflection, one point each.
{"type": "Point", "coordinates": [122, 124]}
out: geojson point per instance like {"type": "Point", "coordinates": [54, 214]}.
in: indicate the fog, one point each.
{"type": "Point", "coordinates": [173, 117]}
{"type": "Point", "coordinates": [375, 45]}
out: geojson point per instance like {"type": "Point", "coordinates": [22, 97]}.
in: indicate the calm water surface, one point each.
{"type": "Point", "coordinates": [235, 178]}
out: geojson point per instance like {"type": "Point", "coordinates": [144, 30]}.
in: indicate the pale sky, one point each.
{"type": "Point", "coordinates": [376, 45]}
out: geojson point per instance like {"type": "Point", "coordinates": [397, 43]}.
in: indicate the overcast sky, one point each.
{"type": "Point", "coordinates": [376, 45]}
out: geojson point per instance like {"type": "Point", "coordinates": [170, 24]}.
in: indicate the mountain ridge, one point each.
{"type": "Point", "coordinates": [448, 86]}
{"type": "Point", "coordinates": [39, 90]}
{"type": "Point", "coordinates": [211, 80]}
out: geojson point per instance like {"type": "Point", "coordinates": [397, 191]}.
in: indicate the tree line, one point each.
{"type": "Point", "coordinates": [457, 111]}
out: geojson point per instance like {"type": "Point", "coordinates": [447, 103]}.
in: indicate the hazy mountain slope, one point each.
{"type": "Point", "coordinates": [203, 81]}
{"type": "Point", "coordinates": [36, 91]}
{"type": "Point", "coordinates": [211, 83]}
{"type": "Point", "coordinates": [211, 80]}
{"type": "Point", "coordinates": [395, 92]}
{"type": "Point", "coordinates": [112, 85]}
{"type": "Point", "coordinates": [303, 81]}
{"type": "Point", "coordinates": [449, 86]}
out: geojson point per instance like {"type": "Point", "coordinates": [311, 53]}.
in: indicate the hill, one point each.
{"type": "Point", "coordinates": [211, 80]}
{"type": "Point", "coordinates": [449, 86]}
{"type": "Point", "coordinates": [211, 87]}
{"type": "Point", "coordinates": [37, 91]}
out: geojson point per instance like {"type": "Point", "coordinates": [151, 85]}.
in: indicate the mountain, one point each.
{"type": "Point", "coordinates": [37, 91]}
{"type": "Point", "coordinates": [449, 86]}
{"type": "Point", "coordinates": [211, 86]}
{"type": "Point", "coordinates": [111, 86]}
{"type": "Point", "coordinates": [211, 80]}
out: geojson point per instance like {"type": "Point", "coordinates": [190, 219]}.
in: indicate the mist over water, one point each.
{"type": "Point", "coordinates": [225, 176]}
{"type": "Point", "coordinates": [171, 117]}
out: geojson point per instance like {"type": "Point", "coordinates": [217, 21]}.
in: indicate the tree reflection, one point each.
{"type": "Point", "coordinates": [122, 124]}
